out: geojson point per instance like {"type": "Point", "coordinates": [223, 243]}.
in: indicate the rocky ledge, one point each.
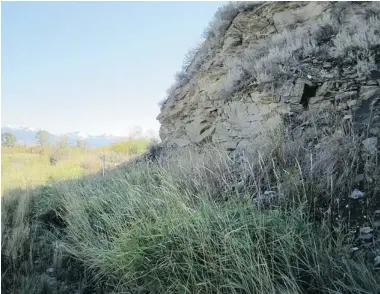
{"type": "Point", "coordinates": [265, 65]}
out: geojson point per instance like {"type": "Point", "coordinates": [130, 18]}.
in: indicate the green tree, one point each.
{"type": "Point", "coordinates": [81, 143]}
{"type": "Point", "coordinates": [42, 138]}
{"type": "Point", "coordinates": [8, 139]}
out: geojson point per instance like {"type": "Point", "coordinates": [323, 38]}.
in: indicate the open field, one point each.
{"type": "Point", "coordinates": [27, 167]}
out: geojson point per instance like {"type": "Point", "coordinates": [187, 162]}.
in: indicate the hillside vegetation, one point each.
{"type": "Point", "coordinates": [298, 212]}
{"type": "Point", "coordinates": [188, 227]}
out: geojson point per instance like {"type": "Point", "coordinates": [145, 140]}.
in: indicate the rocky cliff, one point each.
{"type": "Point", "coordinates": [269, 64]}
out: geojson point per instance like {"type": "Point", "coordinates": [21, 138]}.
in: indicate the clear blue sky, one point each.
{"type": "Point", "coordinates": [96, 67]}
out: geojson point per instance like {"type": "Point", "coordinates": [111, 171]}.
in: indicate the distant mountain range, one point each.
{"type": "Point", "coordinates": [27, 135]}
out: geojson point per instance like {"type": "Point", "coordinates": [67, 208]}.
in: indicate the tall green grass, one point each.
{"type": "Point", "coordinates": [146, 233]}
{"type": "Point", "coordinates": [180, 228]}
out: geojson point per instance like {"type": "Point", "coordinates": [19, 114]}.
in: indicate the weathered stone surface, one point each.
{"type": "Point", "coordinates": [327, 65]}
{"type": "Point", "coordinates": [181, 142]}
{"type": "Point", "coordinates": [324, 89]}
{"type": "Point", "coordinates": [232, 41]}
{"type": "Point", "coordinates": [372, 83]}
{"type": "Point", "coordinates": [345, 96]}
{"type": "Point", "coordinates": [352, 103]}
{"type": "Point", "coordinates": [308, 85]}
{"type": "Point", "coordinates": [289, 18]}
{"type": "Point", "coordinates": [369, 92]}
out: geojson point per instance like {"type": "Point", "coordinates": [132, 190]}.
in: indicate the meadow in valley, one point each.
{"type": "Point", "coordinates": [28, 166]}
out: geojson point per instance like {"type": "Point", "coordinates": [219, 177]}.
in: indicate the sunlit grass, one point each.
{"type": "Point", "coordinates": [131, 147]}
{"type": "Point", "coordinates": [27, 167]}
{"type": "Point", "coordinates": [36, 170]}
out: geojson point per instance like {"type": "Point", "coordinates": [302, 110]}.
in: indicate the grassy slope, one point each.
{"type": "Point", "coordinates": [178, 228]}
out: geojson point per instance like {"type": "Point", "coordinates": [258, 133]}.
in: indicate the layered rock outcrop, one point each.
{"type": "Point", "coordinates": [274, 64]}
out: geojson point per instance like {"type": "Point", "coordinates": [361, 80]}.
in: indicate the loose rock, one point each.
{"type": "Point", "coordinates": [366, 230]}
{"type": "Point", "coordinates": [356, 194]}
{"type": "Point", "coordinates": [366, 237]}
{"type": "Point", "coordinates": [372, 83]}
{"type": "Point", "coordinates": [345, 95]}
{"type": "Point", "coordinates": [266, 198]}
{"type": "Point", "coordinates": [376, 261]}
{"type": "Point", "coordinates": [354, 249]}
{"type": "Point", "coordinates": [370, 145]}
{"type": "Point", "coordinates": [352, 103]}
{"type": "Point", "coordinates": [327, 65]}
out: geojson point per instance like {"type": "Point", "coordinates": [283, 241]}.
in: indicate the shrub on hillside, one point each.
{"type": "Point", "coordinates": [278, 56]}
{"type": "Point", "coordinates": [223, 18]}
{"type": "Point", "coordinates": [275, 58]}
{"type": "Point", "coordinates": [194, 59]}
{"type": "Point", "coordinates": [213, 34]}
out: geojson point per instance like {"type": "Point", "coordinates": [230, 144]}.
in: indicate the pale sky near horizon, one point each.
{"type": "Point", "coordinates": [95, 67]}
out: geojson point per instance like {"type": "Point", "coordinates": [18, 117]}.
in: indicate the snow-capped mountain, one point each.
{"type": "Point", "coordinates": [27, 135]}
{"type": "Point", "coordinates": [81, 135]}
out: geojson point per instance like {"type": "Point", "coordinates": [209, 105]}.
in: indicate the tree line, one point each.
{"type": "Point", "coordinates": [42, 139]}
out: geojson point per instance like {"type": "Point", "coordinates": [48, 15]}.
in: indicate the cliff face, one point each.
{"type": "Point", "coordinates": [266, 65]}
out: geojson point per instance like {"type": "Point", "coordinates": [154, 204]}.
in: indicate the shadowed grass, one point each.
{"type": "Point", "coordinates": [177, 228]}
{"type": "Point", "coordinates": [160, 238]}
